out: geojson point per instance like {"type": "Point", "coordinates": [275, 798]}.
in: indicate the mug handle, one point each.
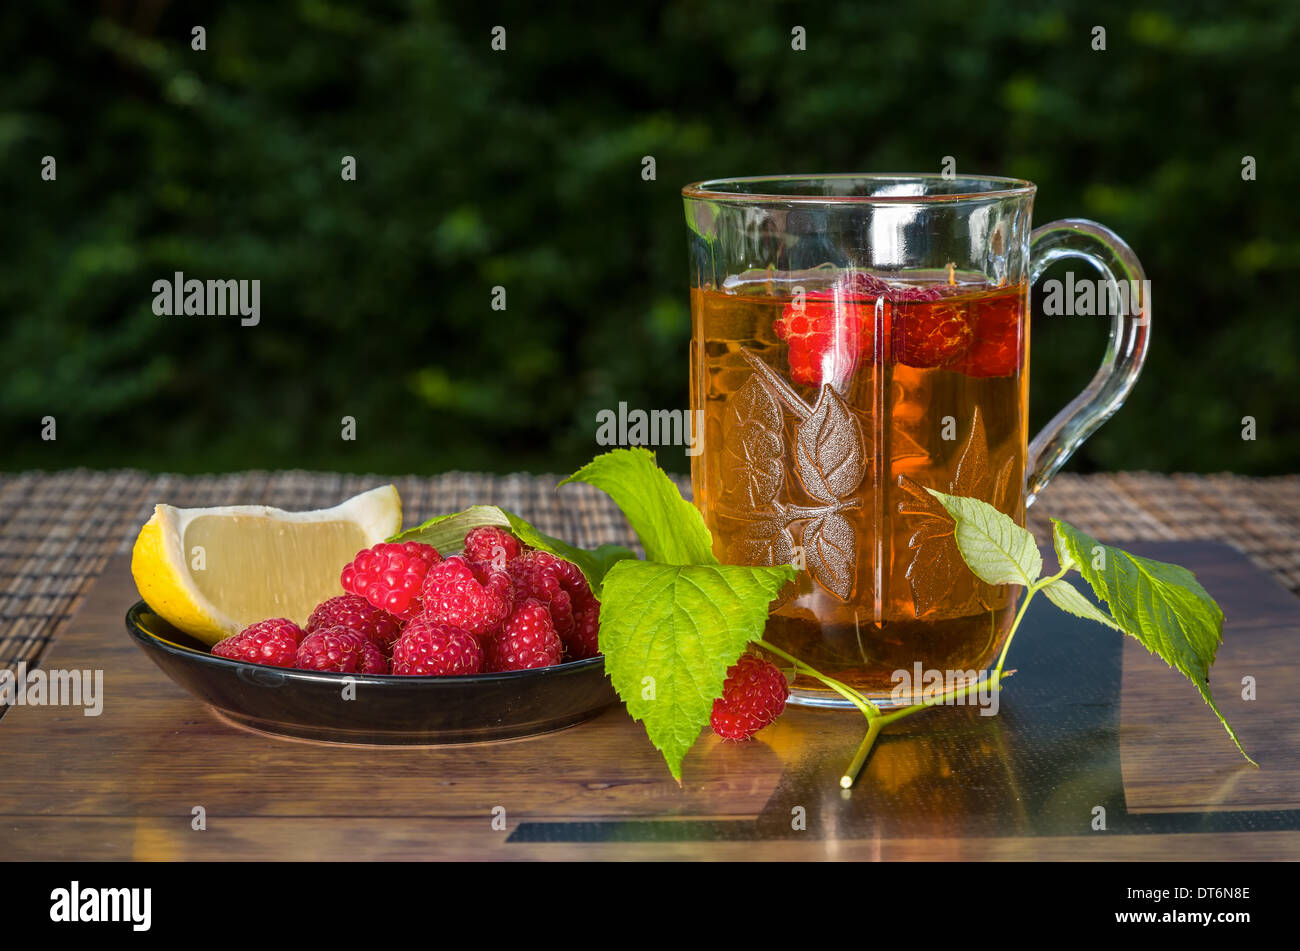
{"type": "Point", "coordinates": [1130, 331]}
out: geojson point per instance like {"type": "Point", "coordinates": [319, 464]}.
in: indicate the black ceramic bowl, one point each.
{"type": "Point", "coordinates": [386, 710]}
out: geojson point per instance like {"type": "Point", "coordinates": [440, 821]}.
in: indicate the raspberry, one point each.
{"type": "Point", "coordinates": [389, 575]}
{"type": "Point", "coordinates": [473, 596]}
{"type": "Point", "coordinates": [526, 640]}
{"type": "Point", "coordinates": [996, 350]}
{"type": "Point", "coordinates": [557, 583]}
{"type": "Point", "coordinates": [931, 334]}
{"type": "Point", "coordinates": [584, 641]}
{"type": "Point", "coordinates": [827, 335]}
{"type": "Point", "coordinates": [334, 648]}
{"type": "Point", "coordinates": [491, 543]}
{"type": "Point", "coordinates": [925, 327]}
{"type": "Point", "coordinates": [273, 642]}
{"type": "Point", "coordinates": [358, 615]}
{"type": "Point", "coordinates": [753, 696]}
{"type": "Point", "coordinates": [373, 659]}
{"type": "Point", "coordinates": [429, 648]}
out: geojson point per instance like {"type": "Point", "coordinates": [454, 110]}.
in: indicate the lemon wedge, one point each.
{"type": "Point", "coordinates": [211, 572]}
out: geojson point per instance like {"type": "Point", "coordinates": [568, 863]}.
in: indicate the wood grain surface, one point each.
{"type": "Point", "coordinates": [1087, 721]}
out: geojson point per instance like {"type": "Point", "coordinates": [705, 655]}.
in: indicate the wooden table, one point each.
{"type": "Point", "coordinates": [1089, 720]}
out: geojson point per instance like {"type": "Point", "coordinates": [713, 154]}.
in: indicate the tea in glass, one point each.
{"type": "Point", "coordinates": [831, 399]}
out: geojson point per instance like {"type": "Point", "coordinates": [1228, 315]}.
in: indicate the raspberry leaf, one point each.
{"type": "Point", "coordinates": [993, 546]}
{"type": "Point", "coordinates": [671, 530]}
{"type": "Point", "coordinates": [1067, 597]}
{"type": "Point", "coordinates": [447, 534]}
{"type": "Point", "coordinates": [670, 632]}
{"type": "Point", "coordinates": [671, 626]}
{"type": "Point", "coordinates": [594, 563]}
{"type": "Point", "coordinates": [1163, 606]}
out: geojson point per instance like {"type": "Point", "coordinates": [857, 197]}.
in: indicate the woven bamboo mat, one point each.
{"type": "Point", "coordinates": [57, 530]}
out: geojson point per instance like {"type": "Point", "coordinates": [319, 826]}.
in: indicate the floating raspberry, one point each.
{"type": "Point", "coordinates": [358, 615]}
{"type": "Point", "coordinates": [527, 640]}
{"type": "Point", "coordinates": [273, 642]}
{"type": "Point", "coordinates": [583, 642]}
{"type": "Point", "coordinates": [931, 334]}
{"type": "Point", "coordinates": [390, 575]}
{"type": "Point", "coordinates": [334, 648]}
{"type": "Point", "coordinates": [996, 350]}
{"type": "Point", "coordinates": [925, 326]}
{"type": "Point", "coordinates": [870, 288]}
{"type": "Point", "coordinates": [491, 543]}
{"type": "Point", "coordinates": [753, 695]}
{"type": "Point", "coordinates": [826, 335]}
{"type": "Point", "coordinates": [428, 648]}
{"type": "Point", "coordinates": [930, 325]}
{"type": "Point", "coordinates": [557, 583]}
{"type": "Point", "coordinates": [473, 596]}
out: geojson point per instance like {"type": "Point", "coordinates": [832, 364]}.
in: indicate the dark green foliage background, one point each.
{"type": "Point", "coordinates": [523, 169]}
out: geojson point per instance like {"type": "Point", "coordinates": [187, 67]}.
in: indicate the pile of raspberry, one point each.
{"type": "Point", "coordinates": [497, 606]}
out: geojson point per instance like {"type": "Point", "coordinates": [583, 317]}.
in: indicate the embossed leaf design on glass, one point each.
{"type": "Point", "coordinates": [752, 448]}
{"type": "Point", "coordinates": [828, 449]}
{"type": "Point", "coordinates": [829, 454]}
{"type": "Point", "coordinates": [764, 541]}
{"type": "Point", "coordinates": [831, 550]}
{"type": "Point", "coordinates": [830, 460]}
{"type": "Point", "coordinates": [936, 565]}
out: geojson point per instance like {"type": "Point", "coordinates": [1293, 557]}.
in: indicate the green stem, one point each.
{"type": "Point", "coordinates": [874, 726]}
{"type": "Point", "coordinates": [995, 680]}
{"type": "Point", "coordinates": [869, 709]}
{"type": "Point", "coordinates": [1029, 596]}
{"type": "Point", "coordinates": [877, 721]}
{"type": "Point", "coordinates": [880, 721]}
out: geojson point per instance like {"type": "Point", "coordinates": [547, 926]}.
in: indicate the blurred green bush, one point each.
{"type": "Point", "coordinates": [523, 169]}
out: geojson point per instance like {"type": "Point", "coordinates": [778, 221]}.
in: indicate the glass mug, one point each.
{"type": "Point", "coordinates": [856, 339]}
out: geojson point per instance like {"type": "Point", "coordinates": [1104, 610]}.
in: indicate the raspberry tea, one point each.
{"type": "Point", "coordinates": [857, 340]}
{"type": "Point", "coordinates": [825, 420]}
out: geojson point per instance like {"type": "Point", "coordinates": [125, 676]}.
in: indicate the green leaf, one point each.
{"type": "Point", "coordinates": [1063, 555]}
{"type": "Point", "coordinates": [671, 530]}
{"type": "Point", "coordinates": [1162, 605]}
{"type": "Point", "coordinates": [1067, 597]}
{"type": "Point", "coordinates": [993, 546]}
{"type": "Point", "coordinates": [681, 626]}
{"type": "Point", "coordinates": [594, 563]}
{"type": "Point", "coordinates": [447, 534]}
